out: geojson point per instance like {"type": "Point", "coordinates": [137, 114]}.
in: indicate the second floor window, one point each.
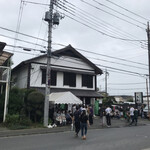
{"type": "Point", "coordinates": [70, 79]}
{"type": "Point", "coordinates": [53, 77]}
{"type": "Point", "coordinates": [87, 81]}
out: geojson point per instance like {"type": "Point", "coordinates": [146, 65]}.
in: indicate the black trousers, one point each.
{"type": "Point", "coordinates": [108, 119]}
{"type": "Point", "coordinates": [77, 127]}
{"type": "Point", "coordinates": [90, 119]}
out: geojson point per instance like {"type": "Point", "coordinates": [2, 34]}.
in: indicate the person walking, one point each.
{"type": "Point", "coordinates": [136, 116]}
{"type": "Point", "coordinates": [108, 111]}
{"type": "Point", "coordinates": [90, 112]}
{"type": "Point", "coordinates": [131, 115]}
{"type": "Point", "coordinates": [84, 121]}
{"type": "Point", "coordinates": [76, 120]}
{"type": "Point", "coordinates": [103, 115]}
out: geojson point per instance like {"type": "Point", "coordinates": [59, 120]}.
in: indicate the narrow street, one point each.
{"type": "Point", "coordinates": [126, 138]}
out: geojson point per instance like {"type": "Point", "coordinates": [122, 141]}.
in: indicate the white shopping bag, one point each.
{"type": "Point", "coordinates": [72, 127]}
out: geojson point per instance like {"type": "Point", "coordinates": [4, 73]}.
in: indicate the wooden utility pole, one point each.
{"type": "Point", "coordinates": [49, 19]}
{"type": "Point", "coordinates": [148, 38]}
{"type": "Point", "coordinates": [147, 95]}
{"type": "Point", "coordinates": [106, 81]}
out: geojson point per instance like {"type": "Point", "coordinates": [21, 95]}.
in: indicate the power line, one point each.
{"type": "Point", "coordinates": [111, 57]}
{"type": "Point", "coordinates": [117, 63]}
{"type": "Point", "coordinates": [112, 14]}
{"type": "Point", "coordinates": [109, 28]}
{"type": "Point", "coordinates": [23, 34]}
{"type": "Point", "coordinates": [20, 52]}
{"type": "Point", "coordinates": [36, 3]}
{"type": "Point", "coordinates": [89, 52]}
{"type": "Point", "coordinates": [127, 10]}
{"type": "Point", "coordinates": [18, 22]}
{"type": "Point", "coordinates": [104, 23]}
{"type": "Point", "coordinates": [25, 48]}
{"type": "Point", "coordinates": [119, 12]}
{"type": "Point", "coordinates": [40, 30]}
{"type": "Point", "coordinates": [124, 73]}
{"type": "Point", "coordinates": [91, 27]}
{"type": "Point", "coordinates": [79, 49]}
{"type": "Point", "coordinates": [108, 35]}
{"type": "Point", "coordinates": [18, 39]}
{"type": "Point", "coordinates": [123, 70]}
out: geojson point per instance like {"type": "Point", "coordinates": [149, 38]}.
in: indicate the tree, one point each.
{"type": "Point", "coordinates": [130, 100]}
{"type": "Point", "coordinates": [2, 100]}
{"type": "Point", "coordinates": [35, 105]}
{"type": "Point", "coordinates": [16, 101]}
{"type": "Point", "coordinates": [108, 101]}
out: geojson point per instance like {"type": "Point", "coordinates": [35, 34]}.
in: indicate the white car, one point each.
{"type": "Point", "coordinates": [145, 110]}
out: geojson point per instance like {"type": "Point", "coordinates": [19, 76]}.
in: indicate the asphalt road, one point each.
{"type": "Point", "coordinates": [126, 138]}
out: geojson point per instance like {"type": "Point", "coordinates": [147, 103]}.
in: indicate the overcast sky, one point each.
{"type": "Point", "coordinates": [110, 28]}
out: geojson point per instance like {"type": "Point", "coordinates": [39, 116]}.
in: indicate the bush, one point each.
{"type": "Point", "coordinates": [25, 121]}
{"type": "Point", "coordinates": [12, 120]}
{"type": "Point", "coordinates": [15, 122]}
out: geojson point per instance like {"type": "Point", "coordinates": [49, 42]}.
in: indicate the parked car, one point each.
{"type": "Point", "coordinates": [145, 110]}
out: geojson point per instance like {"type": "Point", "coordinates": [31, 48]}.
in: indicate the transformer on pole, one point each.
{"type": "Point", "coordinates": [52, 19]}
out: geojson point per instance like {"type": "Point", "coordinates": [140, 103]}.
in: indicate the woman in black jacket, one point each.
{"type": "Point", "coordinates": [84, 121]}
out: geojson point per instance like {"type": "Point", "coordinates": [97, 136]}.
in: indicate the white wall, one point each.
{"type": "Point", "coordinates": [36, 75]}
{"type": "Point", "coordinates": [21, 77]}
{"type": "Point", "coordinates": [36, 78]}
{"type": "Point", "coordinates": [67, 62]}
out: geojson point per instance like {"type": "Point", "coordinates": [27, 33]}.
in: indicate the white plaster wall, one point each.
{"type": "Point", "coordinates": [78, 81]}
{"type": "Point", "coordinates": [21, 76]}
{"type": "Point", "coordinates": [35, 76]}
{"type": "Point", "coordinates": [59, 79]}
{"type": "Point", "coordinates": [67, 62]}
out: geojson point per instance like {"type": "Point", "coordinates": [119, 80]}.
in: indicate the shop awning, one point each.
{"type": "Point", "coordinates": [64, 98]}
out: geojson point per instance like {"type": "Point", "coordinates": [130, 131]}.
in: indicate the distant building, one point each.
{"type": "Point", "coordinates": [123, 98]}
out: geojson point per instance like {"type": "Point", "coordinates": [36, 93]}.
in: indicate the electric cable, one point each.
{"type": "Point", "coordinates": [112, 14]}
{"type": "Point", "coordinates": [127, 10]}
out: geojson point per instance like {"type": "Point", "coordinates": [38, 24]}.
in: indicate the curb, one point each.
{"type": "Point", "coordinates": [10, 133]}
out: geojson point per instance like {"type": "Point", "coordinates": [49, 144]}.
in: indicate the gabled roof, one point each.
{"type": "Point", "coordinates": [67, 51]}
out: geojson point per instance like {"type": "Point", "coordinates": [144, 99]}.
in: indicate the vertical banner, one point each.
{"type": "Point", "coordinates": [96, 107]}
{"type": "Point", "coordinates": [138, 97]}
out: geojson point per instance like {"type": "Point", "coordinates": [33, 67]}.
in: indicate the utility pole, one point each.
{"type": "Point", "coordinates": [49, 19]}
{"type": "Point", "coordinates": [147, 95]}
{"type": "Point", "coordinates": [7, 92]}
{"type": "Point", "coordinates": [148, 37]}
{"type": "Point", "coordinates": [52, 19]}
{"type": "Point", "coordinates": [106, 82]}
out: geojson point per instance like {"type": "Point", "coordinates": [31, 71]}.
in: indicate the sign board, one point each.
{"type": "Point", "coordinates": [138, 97]}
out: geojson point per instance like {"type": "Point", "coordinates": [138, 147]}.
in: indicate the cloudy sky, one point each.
{"type": "Point", "coordinates": [113, 33]}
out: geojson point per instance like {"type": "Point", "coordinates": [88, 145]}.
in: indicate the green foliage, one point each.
{"type": "Point", "coordinates": [16, 101]}
{"type": "Point", "coordinates": [108, 101]}
{"type": "Point", "coordinates": [28, 104]}
{"type": "Point", "coordinates": [2, 100]}
{"type": "Point", "coordinates": [130, 100]}
{"type": "Point", "coordinates": [12, 120]}
{"type": "Point", "coordinates": [35, 105]}
{"type": "Point", "coordinates": [25, 121]}
{"type": "Point", "coordinates": [17, 122]}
